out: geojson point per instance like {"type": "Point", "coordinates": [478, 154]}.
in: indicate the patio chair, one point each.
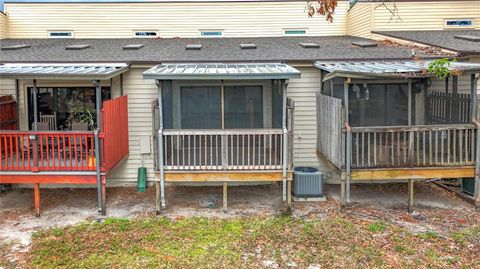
{"type": "Point", "coordinates": [51, 120]}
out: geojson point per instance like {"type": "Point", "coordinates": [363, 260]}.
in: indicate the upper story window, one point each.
{"type": "Point", "coordinates": [294, 32]}
{"type": "Point", "coordinates": [468, 23]}
{"type": "Point", "coordinates": [211, 33]}
{"type": "Point", "coordinates": [60, 34]}
{"type": "Point", "coordinates": [145, 34]}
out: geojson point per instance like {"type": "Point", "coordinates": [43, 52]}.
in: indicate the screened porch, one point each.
{"type": "Point", "coordinates": [222, 123]}
{"type": "Point", "coordinates": [390, 122]}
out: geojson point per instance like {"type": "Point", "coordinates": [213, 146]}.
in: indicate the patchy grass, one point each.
{"type": "Point", "coordinates": [338, 241]}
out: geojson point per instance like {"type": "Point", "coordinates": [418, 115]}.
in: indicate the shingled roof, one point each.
{"type": "Point", "coordinates": [268, 49]}
{"type": "Point", "coordinates": [445, 39]}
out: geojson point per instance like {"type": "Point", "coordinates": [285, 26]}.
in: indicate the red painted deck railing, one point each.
{"type": "Point", "coordinates": [47, 151]}
{"type": "Point", "coordinates": [68, 150]}
{"type": "Point", "coordinates": [115, 131]}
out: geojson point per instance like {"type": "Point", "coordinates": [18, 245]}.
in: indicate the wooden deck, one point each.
{"type": "Point", "coordinates": [66, 157]}
{"type": "Point", "coordinates": [225, 176]}
{"type": "Point", "coordinates": [417, 173]}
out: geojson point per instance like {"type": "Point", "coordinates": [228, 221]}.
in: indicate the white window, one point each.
{"type": "Point", "coordinates": [294, 32]}
{"type": "Point", "coordinates": [211, 33]}
{"type": "Point", "coordinates": [60, 34]}
{"type": "Point", "coordinates": [459, 23]}
{"type": "Point", "coordinates": [145, 34]}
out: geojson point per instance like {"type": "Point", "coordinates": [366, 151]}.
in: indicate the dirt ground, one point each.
{"type": "Point", "coordinates": [436, 209]}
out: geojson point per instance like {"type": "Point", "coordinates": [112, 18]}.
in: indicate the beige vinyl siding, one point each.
{"type": "Point", "coordinates": [7, 87]}
{"type": "Point", "coordinates": [364, 17]}
{"type": "Point", "coordinates": [360, 20]}
{"type": "Point", "coordinates": [428, 15]}
{"type": "Point", "coordinates": [303, 91]}
{"type": "Point", "coordinates": [119, 20]}
{"type": "Point", "coordinates": [464, 84]}
{"type": "Point", "coordinates": [141, 92]}
{"type": "Point", "coordinates": [3, 26]}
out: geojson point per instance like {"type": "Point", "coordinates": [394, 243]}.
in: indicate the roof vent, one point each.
{"type": "Point", "coordinates": [364, 44]}
{"type": "Point", "coordinates": [309, 45]}
{"type": "Point", "coordinates": [77, 47]}
{"type": "Point", "coordinates": [133, 47]}
{"type": "Point", "coordinates": [193, 47]}
{"type": "Point", "coordinates": [472, 38]}
{"type": "Point", "coordinates": [16, 47]}
{"type": "Point", "coordinates": [248, 46]}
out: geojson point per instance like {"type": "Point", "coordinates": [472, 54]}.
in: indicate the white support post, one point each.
{"type": "Point", "coordinates": [35, 127]}
{"type": "Point", "coordinates": [474, 83]}
{"type": "Point", "coordinates": [476, 119]}
{"type": "Point", "coordinates": [98, 103]}
{"type": "Point", "coordinates": [284, 85]}
{"type": "Point", "coordinates": [160, 148]}
{"type": "Point", "coordinates": [348, 143]}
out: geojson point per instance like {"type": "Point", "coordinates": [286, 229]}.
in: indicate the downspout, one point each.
{"type": "Point", "coordinates": [121, 84]}
{"type": "Point", "coordinates": [17, 104]}
{"type": "Point", "coordinates": [160, 144]}
{"type": "Point", "coordinates": [35, 127]}
{"type": "Point", "coordinates": [285, 140]}
{"type": "Point", "coordinates": [98, 163]}
{"type": "Point", "coordinates": [35, 106]}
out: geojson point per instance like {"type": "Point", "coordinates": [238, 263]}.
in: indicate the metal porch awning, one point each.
{"type": "Point", "coordinates": [219, 71]}
{"type": "Point", "coordinates": [62, 71]}
{"type": "Point", "coordinates": [387, 69]}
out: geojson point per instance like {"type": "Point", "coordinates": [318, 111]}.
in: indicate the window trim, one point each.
{"type": "Point", "coordinates": [200, 32]}
{"type": "Point", "coordinates": [459, 26]}
{"type": "Point", "coordinates": [285, 30]}
{"type": "Point", "coordinates": [49, 33]}
{"type": "Point", "coordinates": [145, 36]}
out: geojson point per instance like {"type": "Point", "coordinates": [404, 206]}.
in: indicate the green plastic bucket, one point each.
{"type": "Point", "coordinates": [142, 179]}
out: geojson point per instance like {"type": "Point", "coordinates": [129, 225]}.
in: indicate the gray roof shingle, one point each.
{"type": "Point", "coordinates": [269, 49]}
{"type": "Point", "coordinates": [444, 39]}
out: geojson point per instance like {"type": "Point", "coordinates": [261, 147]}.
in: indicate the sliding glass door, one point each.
{"type": "Point", "coordinates": [65, 105]}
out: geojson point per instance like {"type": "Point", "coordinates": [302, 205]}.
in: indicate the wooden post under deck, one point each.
{"type": "Point", "coordinates": [36, 197]}
{"type": "Point", "coordinates": [225, 196]}
{"type": "Point", "coordinates": [410, 195]}
{"type": "Point", "coordinates": [104, 195]}
{"type": "Point", "coordinates": [289, 194]}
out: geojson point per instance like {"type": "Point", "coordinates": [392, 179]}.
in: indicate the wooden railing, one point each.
{"type": "Point", "coordinates": [329, 128]}
{"type": "Point", "coordinates": [239, 149]}
{"type": "Point", "coordinates": [114, 133]}
{"type": "Point", "coordinates": [8, 113]}
{"type": "Point", "coordinates": [47, 151]}
{"type": "Point", "coordinates": [415, 146]}
{"type": "Point", "coordinates": [445, 108]}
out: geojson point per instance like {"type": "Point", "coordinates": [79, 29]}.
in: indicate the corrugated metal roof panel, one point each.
{"type": "Point", "coordinates": [70, 71]}
{"type": "Point", "coordinates": [388, 68]}
{"type": "Point", "coordinates": [215, 71]}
